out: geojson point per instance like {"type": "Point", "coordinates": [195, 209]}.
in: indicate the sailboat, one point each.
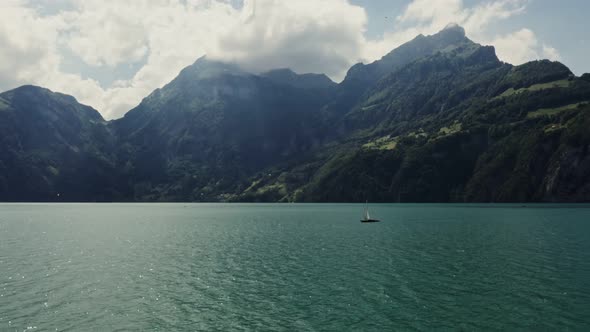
{"type": "Point", "coordinates": [367, 216]}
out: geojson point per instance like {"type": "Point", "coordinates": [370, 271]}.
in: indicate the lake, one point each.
{"type": "Point", "coordinates": [293, 267]}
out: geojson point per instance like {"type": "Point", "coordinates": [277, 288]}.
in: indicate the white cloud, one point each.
{"type": "Point", "coordinates": [170, 34]}
{"type": "Point", "coordinates": [517, 47]}
{"type": "Point", "coordinates": [432, 12]}
{"type": "Point", "coordinates": [305, 35]}
{"type": "Point", "coordinates": [29, 53]}
{"type": "Point", "coordinates": [107, 37]}
{"type": "Point", "coordinates": [522, 46]}
{"type": "Point", "coordinates": [163, 36]}
{"type": "Point", "coordinates": [551, 53]}
{"type": "Point", "coordinates": [27, 42]}
{"type": "Point", "coordinates": [431, 16]}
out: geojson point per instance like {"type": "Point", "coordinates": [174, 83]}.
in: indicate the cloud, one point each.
{"type": "Point", "coordinates": [550, 53]}
{"type": "Point", "coordinates": [160, 37]}
{"type": "Point", "coordinates": [29, 53]}
{"type": "Point", "coordinates": [432, 16]}
{"type": "Point", "coordinates": [25, 51]}
{"type": "Point", "coordinates": [432, 12]}
{"type": "Point", "coordinates": [109, 36]}
{"type": "Point", "coordinates": [168, 35]}
{"type": "Point", "coordinates": [517, 47]}
{"type": "Point", "coordinates": [522, 46]}
{"type": "Point", "coordinates": [305, 35]}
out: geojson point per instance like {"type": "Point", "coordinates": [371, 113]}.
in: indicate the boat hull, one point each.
{"type": "Point", "coordinates": [371, 220]}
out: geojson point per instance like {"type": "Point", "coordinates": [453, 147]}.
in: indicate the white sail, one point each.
{"type": "Point", "coordinates": [367, 216]}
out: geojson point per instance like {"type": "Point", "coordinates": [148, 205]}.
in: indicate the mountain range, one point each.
{"type": "Point", "coordinates": [438, 119]}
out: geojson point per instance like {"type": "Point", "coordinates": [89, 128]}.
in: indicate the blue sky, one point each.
{"type": "Point", "coordinates": [110, 53]}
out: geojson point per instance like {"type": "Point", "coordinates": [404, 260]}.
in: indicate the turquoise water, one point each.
{"type": "Point", "coordinates": [225, 267]}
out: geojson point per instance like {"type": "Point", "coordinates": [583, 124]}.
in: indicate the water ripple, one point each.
{"type": "Point", "coordinates": [167, 267]}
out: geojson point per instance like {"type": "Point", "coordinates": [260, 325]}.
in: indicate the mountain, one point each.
{"type": "Point", "coordinates": [505, 134]}
{"type": "Point", "coordinates": [360, 77]}
{"type": "Point", "coordinates": [447, 40]}
{"type": "Point", "coordinates": [214, 126]}
{"type": "Point", "coordinates": [456, 125]}
{"type": "Point", "coordinates": [304, 81]}
{"type": "Point", "coordinates": [52, 148]}
{"type": "Point", "coordinates": [438, 119]}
